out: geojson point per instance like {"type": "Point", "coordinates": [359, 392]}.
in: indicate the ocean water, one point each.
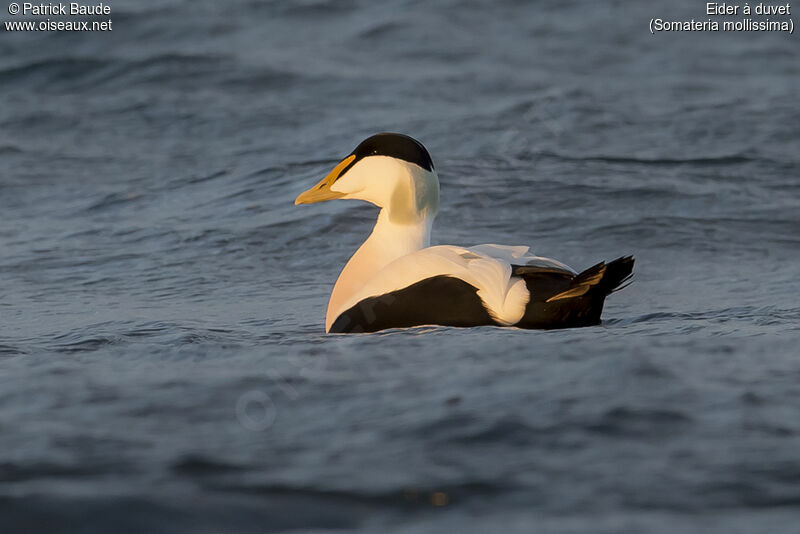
{"type": "Point", "coordinates": [163, 362]}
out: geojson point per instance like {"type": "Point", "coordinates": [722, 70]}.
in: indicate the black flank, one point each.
{"type": "Point", "coordinates": [439, 300]}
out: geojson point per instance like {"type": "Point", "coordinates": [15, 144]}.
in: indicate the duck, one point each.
{"type": "Point", "coordinates": [396, 279]}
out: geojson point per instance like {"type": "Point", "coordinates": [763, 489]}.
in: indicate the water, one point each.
{"type": "Point", "coordinates": [163, 365]}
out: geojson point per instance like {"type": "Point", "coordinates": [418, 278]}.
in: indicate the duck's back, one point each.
{"type": "Point", "coordinates": [481, 285]}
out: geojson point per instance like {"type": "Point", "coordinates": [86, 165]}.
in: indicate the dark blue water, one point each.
{"type": "Point", "coordinates": [163, 365]}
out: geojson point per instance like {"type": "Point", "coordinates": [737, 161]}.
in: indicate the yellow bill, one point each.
{"type": "Point", "coordinates": [322, 191]}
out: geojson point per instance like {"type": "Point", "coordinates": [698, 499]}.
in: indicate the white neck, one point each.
{"type": "Point", "coordinates": [388, 241]}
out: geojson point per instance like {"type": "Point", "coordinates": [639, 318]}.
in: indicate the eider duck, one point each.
{"type": "Point", "coordinates": [397, 280]}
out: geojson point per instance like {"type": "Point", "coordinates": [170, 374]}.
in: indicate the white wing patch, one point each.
{"type": "Point", "coordinates": [518, 255]}
{"type": "Point", "coordinates": [486, 267]}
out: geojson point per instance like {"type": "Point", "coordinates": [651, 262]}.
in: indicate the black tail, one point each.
{"type": "Point", "coordinates": [619, 275]}
{"type": "Point", "coordinates": [559, 301]}
{"type": "Point", "coordinates": [599, 280]}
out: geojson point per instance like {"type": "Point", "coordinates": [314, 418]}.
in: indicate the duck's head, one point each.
{"type": "Point", "coordinates": [392, 171]}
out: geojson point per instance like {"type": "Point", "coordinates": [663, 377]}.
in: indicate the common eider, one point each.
{"type": "Point", "coordinates": [397, 280]}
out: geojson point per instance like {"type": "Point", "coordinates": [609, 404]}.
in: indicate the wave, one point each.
{"type": "Point", "coordinates": [11, 350]}
{"type": "Point", "coordinates": [162, 70]}
{"type": "Point", "coordinates": [732, 159]}
{"type": "Point", "coordinates": [10, 149]}
{"type": "Point", "coordinates": [423, 495]}
{"type": "Point", "coordinates": [762, 314]}
{"type": "Point", "coordinates": [88, 344]}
